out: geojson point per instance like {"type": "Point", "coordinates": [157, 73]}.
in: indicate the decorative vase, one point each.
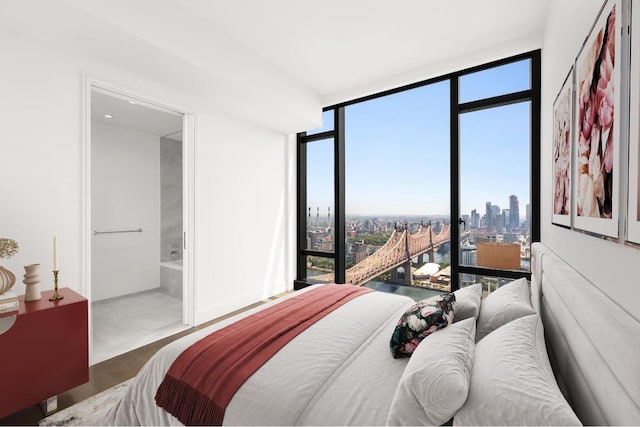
{"type": "Point", "coordinates": [7, 280]}
{"type": "Point", "coordinates": [32, 281]}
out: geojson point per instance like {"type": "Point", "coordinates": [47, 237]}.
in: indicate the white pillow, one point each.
{"type": "Point", "coordinates": [435, 381]}
{"type": "Point", "coordinates": [467, 302]}
{"type": "Point", "coordinates": [507, 303]}
{"type": "Point", "coordinates": [512, 382]}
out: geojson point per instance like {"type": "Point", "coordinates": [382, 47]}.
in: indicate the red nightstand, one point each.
{"type": "Point", "coordinates": [46, 351]}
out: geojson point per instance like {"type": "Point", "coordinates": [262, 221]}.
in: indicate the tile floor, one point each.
{"type": "Point", "coordinates": [128, 322]}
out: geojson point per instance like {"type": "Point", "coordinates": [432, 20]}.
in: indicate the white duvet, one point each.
{"type": "Point", "coordinates": [340, 371]}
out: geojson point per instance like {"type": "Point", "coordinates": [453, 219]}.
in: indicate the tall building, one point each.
{"type": "Point", "coordinates": [493, 214]}
{"type": "Point", "coordinates": [360, 251]}
{"type": "Point", "coordinates": [468, 255]}
{"type": "Point", "coordinates": [475, 219]}
{"type": "Point", "coordinates": [494, 220]}
{"type": "Point", "coordinates": [501, 220]}
{"type": "Point", "coordinates": [467, 221]}
{"type": "Point", "coordinates": [514, 212]}
{"type": "Point", "coordinates": [489, 218]}
{"type": "Point", "coordinates": [529, 219]}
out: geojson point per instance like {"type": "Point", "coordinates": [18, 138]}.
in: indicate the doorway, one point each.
{"type": "Point", "coordinates": [138, 278]}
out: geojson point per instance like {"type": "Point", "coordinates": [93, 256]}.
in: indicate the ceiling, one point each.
{"type": "Point", "coordinates": [133, 114]}
{"type": "Point", "coordinates": [335, 45]}
{"type": "Point", "coordinates": [275, 62]}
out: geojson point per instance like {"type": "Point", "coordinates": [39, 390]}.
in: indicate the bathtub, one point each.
{"type": "Point", "coordinates": [171, 277]}
{"type": "Point", "coordinates": [174, 264]}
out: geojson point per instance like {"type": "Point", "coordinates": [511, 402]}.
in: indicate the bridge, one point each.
{"type": "Point", "coordinates": [398, 250]}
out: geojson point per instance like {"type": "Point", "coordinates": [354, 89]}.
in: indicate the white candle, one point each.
{"type": "Point", "coordinates": [55, 254]}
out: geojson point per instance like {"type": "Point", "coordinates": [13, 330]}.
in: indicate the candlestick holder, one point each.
{"type": "Point", "coordinates": [56, 296]}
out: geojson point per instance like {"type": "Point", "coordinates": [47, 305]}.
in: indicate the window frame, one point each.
{"type": "Point", "coordinates": [338, 254]}
{"type": "Point", "coordinates": [456, 109]}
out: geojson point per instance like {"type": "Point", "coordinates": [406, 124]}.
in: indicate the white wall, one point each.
{"type": "Point", "coordinates": [242, 222]}
{"type": "Point", "coordinates": [125, 183]}
{"type": "Point", "coordinates": [612, 267]}
{"type": "Point", "coordinates": [242, 175]}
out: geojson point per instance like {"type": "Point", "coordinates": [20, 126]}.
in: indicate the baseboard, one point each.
{"type": "Point", "coordinates": [216, 310]}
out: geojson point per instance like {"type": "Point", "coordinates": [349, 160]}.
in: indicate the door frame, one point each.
{"type": "Point", "coordinates": [188, 193]}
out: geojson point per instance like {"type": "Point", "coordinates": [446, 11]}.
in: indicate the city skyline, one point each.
{"type": "Point", "coordinates": [323, 212]}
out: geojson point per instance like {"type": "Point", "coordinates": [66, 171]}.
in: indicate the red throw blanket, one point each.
{"type": "Point", "coordinates": [203, 379]}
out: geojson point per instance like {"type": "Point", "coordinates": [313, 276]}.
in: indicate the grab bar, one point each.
{"type": "Point", "coordinates": [139, 230]}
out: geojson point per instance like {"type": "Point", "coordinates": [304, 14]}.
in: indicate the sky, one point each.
{"type": "Point", "coordinates": [397, 150]}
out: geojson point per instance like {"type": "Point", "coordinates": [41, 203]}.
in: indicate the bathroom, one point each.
{"type": "Point", "coordinates": [137, 224]}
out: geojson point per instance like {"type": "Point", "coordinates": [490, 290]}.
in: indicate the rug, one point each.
{"type": "Point", "coordinates": [82, 413]}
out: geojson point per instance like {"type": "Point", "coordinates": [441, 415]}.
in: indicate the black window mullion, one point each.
{"type": "Point", "coordinates": [535, 146]}
{"type": "Point", "coordinates": [455, 181]}
{"type": "Point", "coordinates": [496, 101]}
{"type": "Point", "coordinates": [319, 136]}
{"type": "Point", "coordinates": [301, 267]}
{"type": "Point", "coordinates": [339, 245]}
{"type": "Point", "coordinates": [322, 254]}
{"type": "Point", "coordinates": [493, 272]}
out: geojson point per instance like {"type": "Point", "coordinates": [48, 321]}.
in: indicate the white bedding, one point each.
{"type": "Point", "coordinates": [340, 371]}
{"type": "Point", "coordinates": [317, 379]}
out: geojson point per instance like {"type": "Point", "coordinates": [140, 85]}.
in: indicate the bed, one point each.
{"type": "Point", "coordinates": [330, 370]}
{"type": "Point", "coordinates": [340, 370]}
{"type": "Point", "coordinates": [594, 345]}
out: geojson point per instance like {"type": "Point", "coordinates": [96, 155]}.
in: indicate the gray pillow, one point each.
{"type": "Point", "coordinates": [435, 382]}
{"type": "Point", "coordinates": [507, 303]}
{"type": "Point", "coordinates": [467, 303]}
{"type": "Point", "coordinates": [512, 383]}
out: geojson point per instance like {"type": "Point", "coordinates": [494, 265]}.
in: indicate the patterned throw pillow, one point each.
{"type": "Point", "coordinates": [420, 320]}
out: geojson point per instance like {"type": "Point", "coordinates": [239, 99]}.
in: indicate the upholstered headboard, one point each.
{"type": "Point", "coordinates": [594, 345]}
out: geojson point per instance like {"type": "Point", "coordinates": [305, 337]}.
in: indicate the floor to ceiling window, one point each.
{"type": "Point", "coordinates": [495, 173]}
{"type": "Point", "coordinates": [317, 231]}
{"type": "Point", "coordinates": [424, 188]}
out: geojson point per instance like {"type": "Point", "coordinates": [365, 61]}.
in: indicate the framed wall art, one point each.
{"type": "Point", "coordinates": [633, 212]}
{"type": "Point", "coordinates": [596, 157]}
{"type": "Point", "coordinates": [562, 149]}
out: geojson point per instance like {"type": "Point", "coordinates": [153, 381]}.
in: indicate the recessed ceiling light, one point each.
{"type": "Point", "coordinates": [108, 116]}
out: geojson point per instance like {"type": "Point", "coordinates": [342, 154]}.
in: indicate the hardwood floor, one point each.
{"type": "Point", "coordinates": [106, 374]}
